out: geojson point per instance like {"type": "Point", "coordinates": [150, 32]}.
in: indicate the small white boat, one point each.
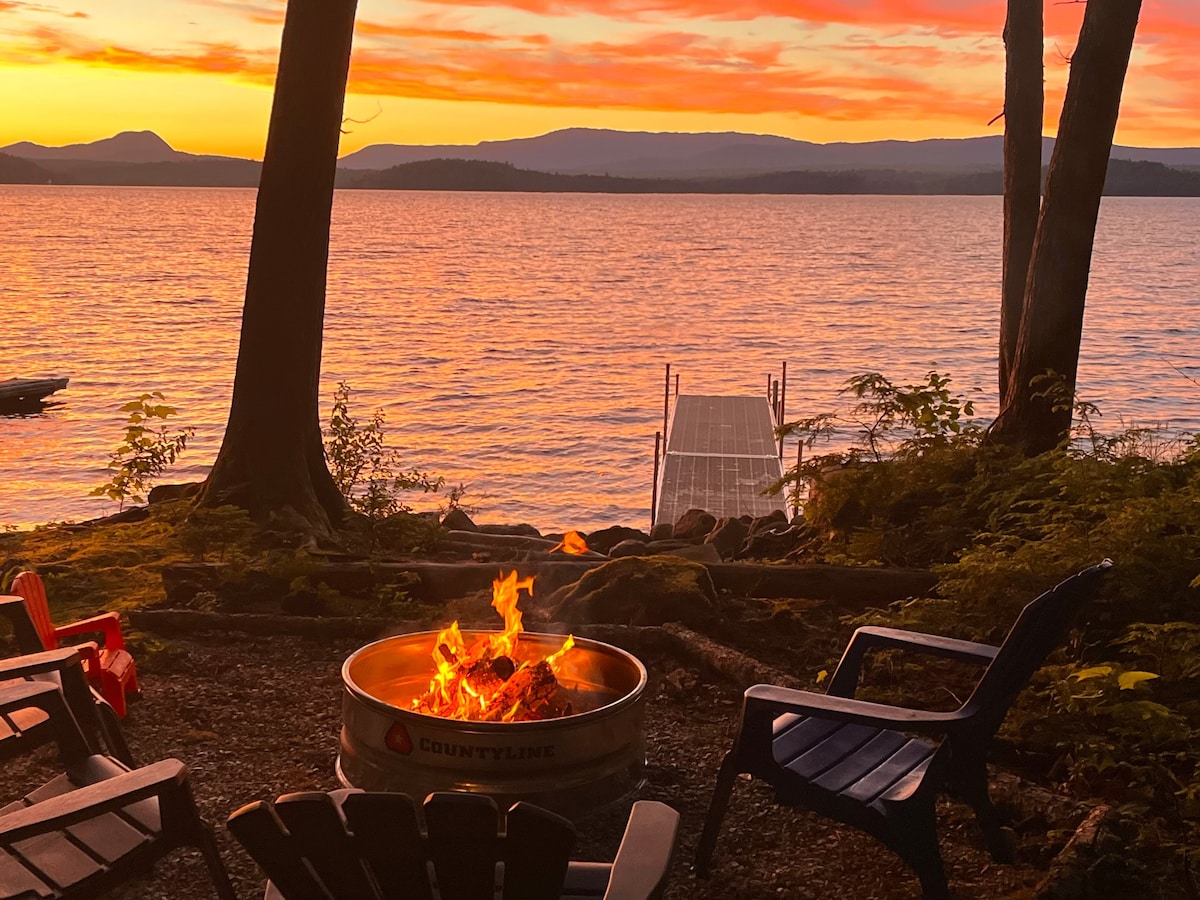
{"type": "Point", "coordinates": [23, 393]}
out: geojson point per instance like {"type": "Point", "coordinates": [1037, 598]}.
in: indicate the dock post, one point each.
{"type": "Point", "coordinates": [676, 384]}
{"type": "Point", "coordinates": [796, 489]}
{"type": "Point", "coordinates": [666, 400]}
{"type": "Point", "coordinates": [782, 403]}
{"type": "Point", "coordinates": [775, 402]}
{"type": "Point", "coordinates": [654, 484]}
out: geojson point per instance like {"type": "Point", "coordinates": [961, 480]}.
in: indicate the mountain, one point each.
{"type": "Point", "coordinates": [632, 153]}
{"type": "Point", "coordinates": [1127, 178]}
{"type": "Point", "coordinates": [629, 160]}
{"type": "Point", "coordinates": [128, 146]}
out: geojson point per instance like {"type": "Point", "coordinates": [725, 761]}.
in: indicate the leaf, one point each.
{"type": "Point", "coordinates": [822, 675]}
{"type": "Point", "coordinates": [1130, 680]}
{"type": "Point", "coordinates": [1093, 672]}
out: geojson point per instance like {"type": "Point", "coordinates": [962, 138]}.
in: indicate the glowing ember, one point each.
{"type": "Point", "coordinates": [572, 542]}
{"type": "Point", "coordinates": [490, 681]}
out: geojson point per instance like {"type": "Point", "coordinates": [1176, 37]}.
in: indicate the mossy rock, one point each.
{"type": "Point", "coordinates": [639, 590]}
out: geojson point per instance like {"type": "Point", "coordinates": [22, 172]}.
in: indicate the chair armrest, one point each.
{"type": "Point", "coordinates": [39, 663]}
{"type": "Point", "coordinates": [24, 631]}
{"type": "Point", "coordinates": [109, 624]}
{"type": "Point", "coordinates": [643, 861]}
{"type": "Point", "coordinates": [49, 698]}
{"type": "Point", "coordinates": [57, 813]}
{"type": "Point", "coordinates": [767, 701]}
{"type": "Point", "coordinates": [845, 676]}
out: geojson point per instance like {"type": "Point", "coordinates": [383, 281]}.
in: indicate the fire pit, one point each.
{"type": "Point", "coordinates": [588, 751]}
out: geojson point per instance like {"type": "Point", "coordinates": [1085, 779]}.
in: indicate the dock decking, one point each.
{"type": "Point", "coordinates": [721, 452]}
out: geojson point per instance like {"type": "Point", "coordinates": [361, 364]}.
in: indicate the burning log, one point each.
{"type": "Point", "coordinates": [489, 681]}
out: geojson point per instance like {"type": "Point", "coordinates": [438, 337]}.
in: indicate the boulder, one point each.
{"type": "Point", "coordinates": [457, 520]}
{"type": "Point", "coordinates": [603, 540]}
{"type": "Point", "coordinates": [772, 543]}
{"type": "Point", "coordinates": [161, 493]}
{"type": "Point", "coordinates": [662, 531]}
{"type": "Point", "coordinates": [727, 536]}
{"type": "Point", "coordinates": [771, 521]}
{"type": "Point", "coordinates": [702, 553]}
{"type": "Point", "coordinates": [629, 548]}
{"type": "Point", "coordinates": [693, 525]}
{"type": "Point", "coordinates": [639, 591]}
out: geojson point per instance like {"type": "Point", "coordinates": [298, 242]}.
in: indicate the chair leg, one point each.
{"type": "Point", "coordinates": [726, 776]}
{"type": "Point", "coordinates": [216, 867]}
{"type": "Point", "coordinates": [914, 838]}
{"type": "Point", "coordinates": [114, 692]}
{"type": "Point", "coordinates": [971, 785]}
{"type": "Point", "coordinates": [131, 680]}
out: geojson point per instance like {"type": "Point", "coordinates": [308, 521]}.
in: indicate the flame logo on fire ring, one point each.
{"type": "Point", "coordinates": [397, 739]}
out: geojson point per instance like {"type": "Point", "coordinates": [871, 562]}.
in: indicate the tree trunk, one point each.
{"type": "Point", "coordinates": [1052, 316]}
{"type": "Point", "coordinates": [272, 461]}
{"type": "Point", "coordinates": [1024, 102]}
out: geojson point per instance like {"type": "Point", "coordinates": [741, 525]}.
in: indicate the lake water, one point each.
{"type": "Point", "coordinates": [516, 342]}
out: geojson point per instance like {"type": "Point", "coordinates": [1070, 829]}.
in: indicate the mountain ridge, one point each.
{"type": "Point", "coordinates": [629, 153]}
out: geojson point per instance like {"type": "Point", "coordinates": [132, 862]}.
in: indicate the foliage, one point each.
{"type": "Point", "coordinates": [146, 451]}
{"type": "Point", "coordinates": [1116, 715]}
{"type": "Point", "coordinates": [372, 477]}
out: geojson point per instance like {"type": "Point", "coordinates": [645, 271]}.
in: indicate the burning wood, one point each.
{"type": "Point", "coordinates": [573, 542]}
{"type": "Point", "coordinates": [490, 681]}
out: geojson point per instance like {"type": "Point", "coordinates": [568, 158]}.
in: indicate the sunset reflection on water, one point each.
{"type": "Point", "coordinates": [516, 341]}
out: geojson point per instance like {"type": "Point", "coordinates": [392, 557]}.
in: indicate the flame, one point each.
{"type": "Point", "coordinates": [470, 681]}
{"type": "Point", "coordinates": [572, 542]}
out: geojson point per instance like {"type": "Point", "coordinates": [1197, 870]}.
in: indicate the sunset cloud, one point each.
{"type": "Point", "coordinates": [928, 67]}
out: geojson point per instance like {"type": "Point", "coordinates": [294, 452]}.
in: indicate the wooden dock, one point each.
{"type": "Point", "coordinates": [721, 453]}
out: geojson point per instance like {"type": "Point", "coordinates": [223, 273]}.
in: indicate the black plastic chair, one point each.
{"type": "Point", "coordinates": [24, 728]}
{"type": "Point", "coordinates": [100, 823]}
{"type": "Point", "coordinates": [880, 768]}
{"type": "Point", "coordinates": [354, 845]}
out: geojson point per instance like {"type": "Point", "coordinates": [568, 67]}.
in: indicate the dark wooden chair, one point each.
{"type": "Point", "coordinates": [109, 666]}
{"type": "Point", "coordinates": [100, 823]}
{"type": "Point", "coordinates": [352, 845]}
{"type": "Point", "coordinates": [879, 767]}
{"type": "Point", "coordinates": [30, 726]}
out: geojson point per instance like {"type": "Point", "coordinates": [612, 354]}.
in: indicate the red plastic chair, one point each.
{"type": "Point", "coordinates": [109, 666]}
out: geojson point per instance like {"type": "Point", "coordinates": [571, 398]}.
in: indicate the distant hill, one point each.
{"type": "Point", "coordinates": [190, 171]}
{"type": "Point", "coordinates": [586, 159]}
{"type": "Point", "coordinates": [14, 170]}
{"type": "Point", "coordinates": [1124, 178]}
{"type": "Point", "coordinates": [643, 154]}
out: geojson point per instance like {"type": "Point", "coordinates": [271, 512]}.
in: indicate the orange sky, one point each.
{"type": "Point", "coordinates": [199, 72]}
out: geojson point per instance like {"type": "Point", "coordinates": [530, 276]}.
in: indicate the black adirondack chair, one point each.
{"type": "Point", "coordinates": [99, 824]}
{"type": "Point", "coordinates": [28, 727]}
{"type": "Point", "coordinates": [354, 845]}
{"type": "Point", "coordinates": [879, 767]}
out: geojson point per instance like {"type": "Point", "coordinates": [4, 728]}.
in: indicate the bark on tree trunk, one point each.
{"type": "Point", "coordinates": [1023, 109]}
{"type": "Point", "coordinates": [1052, 316]}
{"type": "Point", "coordinates": [272, 461]}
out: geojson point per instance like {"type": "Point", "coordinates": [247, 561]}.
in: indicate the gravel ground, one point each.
{"type": "Point", "coordinates": [256, 717]}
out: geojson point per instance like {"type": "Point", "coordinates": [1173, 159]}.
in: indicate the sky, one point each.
{"type": "Point", "coordinates": [199, 72]}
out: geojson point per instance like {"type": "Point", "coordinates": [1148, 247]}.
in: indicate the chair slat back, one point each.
{"type": "Point", "coordinates": [387, 833]}
{"type": "Point", "coordinates": [463, 844]}
{"type": "Point", "coordinates": [1041, 626]}
{"type": "Point", "coordinates": [261, 832]}
{"type": "Point", "coordinates": [29, 587]}
{"type": "Point", "coordinates": [354, 845]}
{"type": "Point", "coordinates": [537, 851]}
{"type": "Point", "coordinates": [319, 835]}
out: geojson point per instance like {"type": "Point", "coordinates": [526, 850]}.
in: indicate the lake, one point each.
{"type": "Point", "coordinates": [516, 342]}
